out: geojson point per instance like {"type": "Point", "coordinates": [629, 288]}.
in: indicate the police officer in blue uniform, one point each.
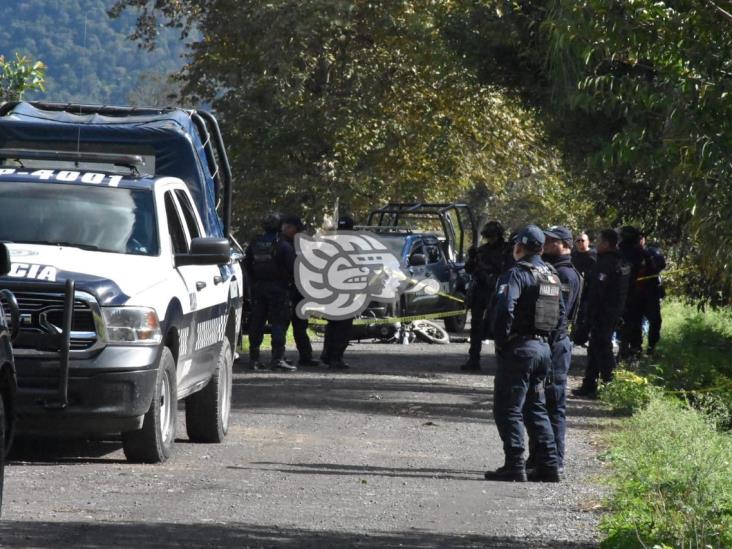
{"type": "Point", "coordinates": [606, 295]}
{"type": "Point", "coordinates": [291, 225]}
{"type": "Point", "coordinates": [558, 253]}
{"type": "Point", "coordinates": [338, 332]}
{"type": "Point", "coordinates": [270, 262]}
{"type": "Point", "coordinates": [528, 310]}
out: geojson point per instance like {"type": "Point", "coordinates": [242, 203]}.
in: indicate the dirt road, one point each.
{"type": "Point", "coordinates": [388, 454]}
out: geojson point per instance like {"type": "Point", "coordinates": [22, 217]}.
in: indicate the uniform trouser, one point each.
{"type": "Point", "coordinates": [337, 336]}
{"type": "Point", "coordinates": [302, 340]}
{"type": "Point", "coordinates": [631, 337]}
{"type": "Point", "coordinates": [600, 357]}
{"type": "Point", "coordinates": [271, 304]}
{"type": "Point", "coordinates": [652, 312]}
{"type": "Point", "coordinates": [519, 400]}
{"type": "Point", "coordinates": [556, 393]}
{"type": "Point", "coordinates": [477, 324]}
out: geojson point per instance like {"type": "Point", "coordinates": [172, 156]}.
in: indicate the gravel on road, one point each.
{"type": "Point", "coordinates": [390, 453]}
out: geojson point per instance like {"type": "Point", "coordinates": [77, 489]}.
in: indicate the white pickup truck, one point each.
{"type": "Point", "coordinates": [127, 303]}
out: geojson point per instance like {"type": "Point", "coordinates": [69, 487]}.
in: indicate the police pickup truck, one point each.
{"type": "Point", "coordinates": [129, 288]}
{"type": "Point", "coordinates": [8, 381]}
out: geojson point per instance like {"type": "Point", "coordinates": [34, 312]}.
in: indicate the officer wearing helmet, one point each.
{"type": "Point", "coordinates": [528, 310]}
{"type": "Point", "coordinates": [485, 264]}
{"type": "Point", "coordinates": [270, 263]}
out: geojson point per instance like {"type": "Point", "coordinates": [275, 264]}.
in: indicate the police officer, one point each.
{"type": "Point", "coordinates": [485, 264]}
{"type": "Point", "coordinates": [654, 292]}
{"type": "Point", "coordinates": [291, 225]}
{"type": "Point", "coordinates": [337, 332]}
{"type": "Point", "coordinates": [528, 309]}
{"type": "Point", "coordinates": [606, 295]}
{"type": "Point", "coordinates": [631, 337]}
{"type": "Point", "coordinates": [269, 261]}
{"type": "Point", "coordinates": [557, 252]}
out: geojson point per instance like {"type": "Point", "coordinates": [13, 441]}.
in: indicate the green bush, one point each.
{"type": "Point", "coordinates": [694, 355]}
{"type": "Point", "coordinates": [671, 480]}
{"type": "Point", "coordinates": [627, 392]}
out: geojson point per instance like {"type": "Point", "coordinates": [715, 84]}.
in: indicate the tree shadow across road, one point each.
{"type": "Point", "coordinates": [337, 469]}
{"type": "Point", "coordinates": [108, 535]}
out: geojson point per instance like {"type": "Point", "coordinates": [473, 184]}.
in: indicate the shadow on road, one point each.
{"type": "Point", "coordinates": [85, 535]}
{"type": "Point", "coordinates": [364, 470]}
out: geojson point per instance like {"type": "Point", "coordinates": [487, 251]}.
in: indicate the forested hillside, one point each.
{"type": "Point", "coordinates": [101, 67]}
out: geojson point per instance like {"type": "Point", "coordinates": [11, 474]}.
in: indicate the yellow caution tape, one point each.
{"type": "Point", "coordinates": [649, 277]}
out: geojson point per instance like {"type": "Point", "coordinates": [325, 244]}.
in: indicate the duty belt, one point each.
{"type": "Point", "coordinates": [537, 337]}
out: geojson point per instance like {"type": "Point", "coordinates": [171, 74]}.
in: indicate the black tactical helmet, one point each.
{"type": "Point", "coordinates": [272, 222]}
{"type": "Point", "coordinates": [493, 228]}
{"type": "Point", "coordinates": [630, 235]}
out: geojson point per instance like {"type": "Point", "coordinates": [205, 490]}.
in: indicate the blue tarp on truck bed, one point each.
{"type": "Point", "coordinates": [172, 136]}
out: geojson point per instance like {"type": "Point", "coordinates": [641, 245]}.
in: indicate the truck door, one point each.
{"type": "Point", "coordinates": [203, 330]}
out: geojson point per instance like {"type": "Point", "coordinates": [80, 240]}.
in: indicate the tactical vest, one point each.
{"type": "Point", "coordinates": [538, 309]}
{"type": "Point", "coordinates": [264, 257]}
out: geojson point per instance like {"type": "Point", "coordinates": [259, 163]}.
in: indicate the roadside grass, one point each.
{"type": "Point", "coordinates": [671, 478]}
{"type": "Point", "coordinates": [267, 342]}
{"type": "Point", "coordinates": [671, 474]}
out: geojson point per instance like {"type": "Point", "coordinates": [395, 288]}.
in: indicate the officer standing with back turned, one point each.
{"type": "Point", "coordinates": [270, 262]}
{"type": "Point", "coordinates": [528, 310]}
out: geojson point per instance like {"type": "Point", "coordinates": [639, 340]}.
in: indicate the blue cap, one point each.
{"type": "Point", "coordinates": [559, 233]}
{"type": "Point", "coordinates": [531, 235]}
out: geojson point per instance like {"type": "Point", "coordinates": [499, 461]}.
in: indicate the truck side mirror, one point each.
{"type": "Point", "coordinates": [417, 260]}
{"type": "Point", "coordinates": [206, 251]}
{"type": "Point", "coordinates": [4, 259]}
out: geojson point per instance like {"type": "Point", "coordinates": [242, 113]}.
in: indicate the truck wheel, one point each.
{"type": "Point", "coordinates": [208, 411]}
{"type": "Point", "coordinates": [455, 323]}
{"type": "Point", "coordinates": [154, 442]}
{"type": "Point", "coordinates": [2, 449]}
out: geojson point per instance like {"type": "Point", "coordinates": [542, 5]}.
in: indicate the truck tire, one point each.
{"type": "Point", "coordinates": [2, 449]}
{"type": "Point", "coordinates": [154, 442]}
{"type": "Point", "coordinates": [208, 411]}
{"type": "Point", "coordinates": [455, 324]}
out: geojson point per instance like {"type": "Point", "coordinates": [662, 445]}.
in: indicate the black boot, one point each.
{"type": "Point", "coordinates": [507, 474]}
{"type": "Point", "coordinates": [279, 362]}
{"type": "Point", "coordinates": [254, 362]}
{"type": "Point", "coordinates": [470, 366]}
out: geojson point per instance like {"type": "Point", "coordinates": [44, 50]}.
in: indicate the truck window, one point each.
{"type": "Point", "coordinates": [106, 219]}
{"type": "Point", "coordinates": [175, 227]}
{"type": "Point", "coordinates": [187, 209]}
{"type": "Point", "coordinates": [433, 254]}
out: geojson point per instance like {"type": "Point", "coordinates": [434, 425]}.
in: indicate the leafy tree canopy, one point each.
{"type": "Point", "coordinates": [639, 93]}
{"type": "Point", "coordinates": [365, 101]}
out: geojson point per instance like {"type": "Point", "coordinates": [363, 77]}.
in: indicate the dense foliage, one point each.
{"type": "Point", "coordinates": [364, 101]}
{"type": "Point", "coordinates": [88, 55]}
{"type": "Point", "coordinates": [638, 93]}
